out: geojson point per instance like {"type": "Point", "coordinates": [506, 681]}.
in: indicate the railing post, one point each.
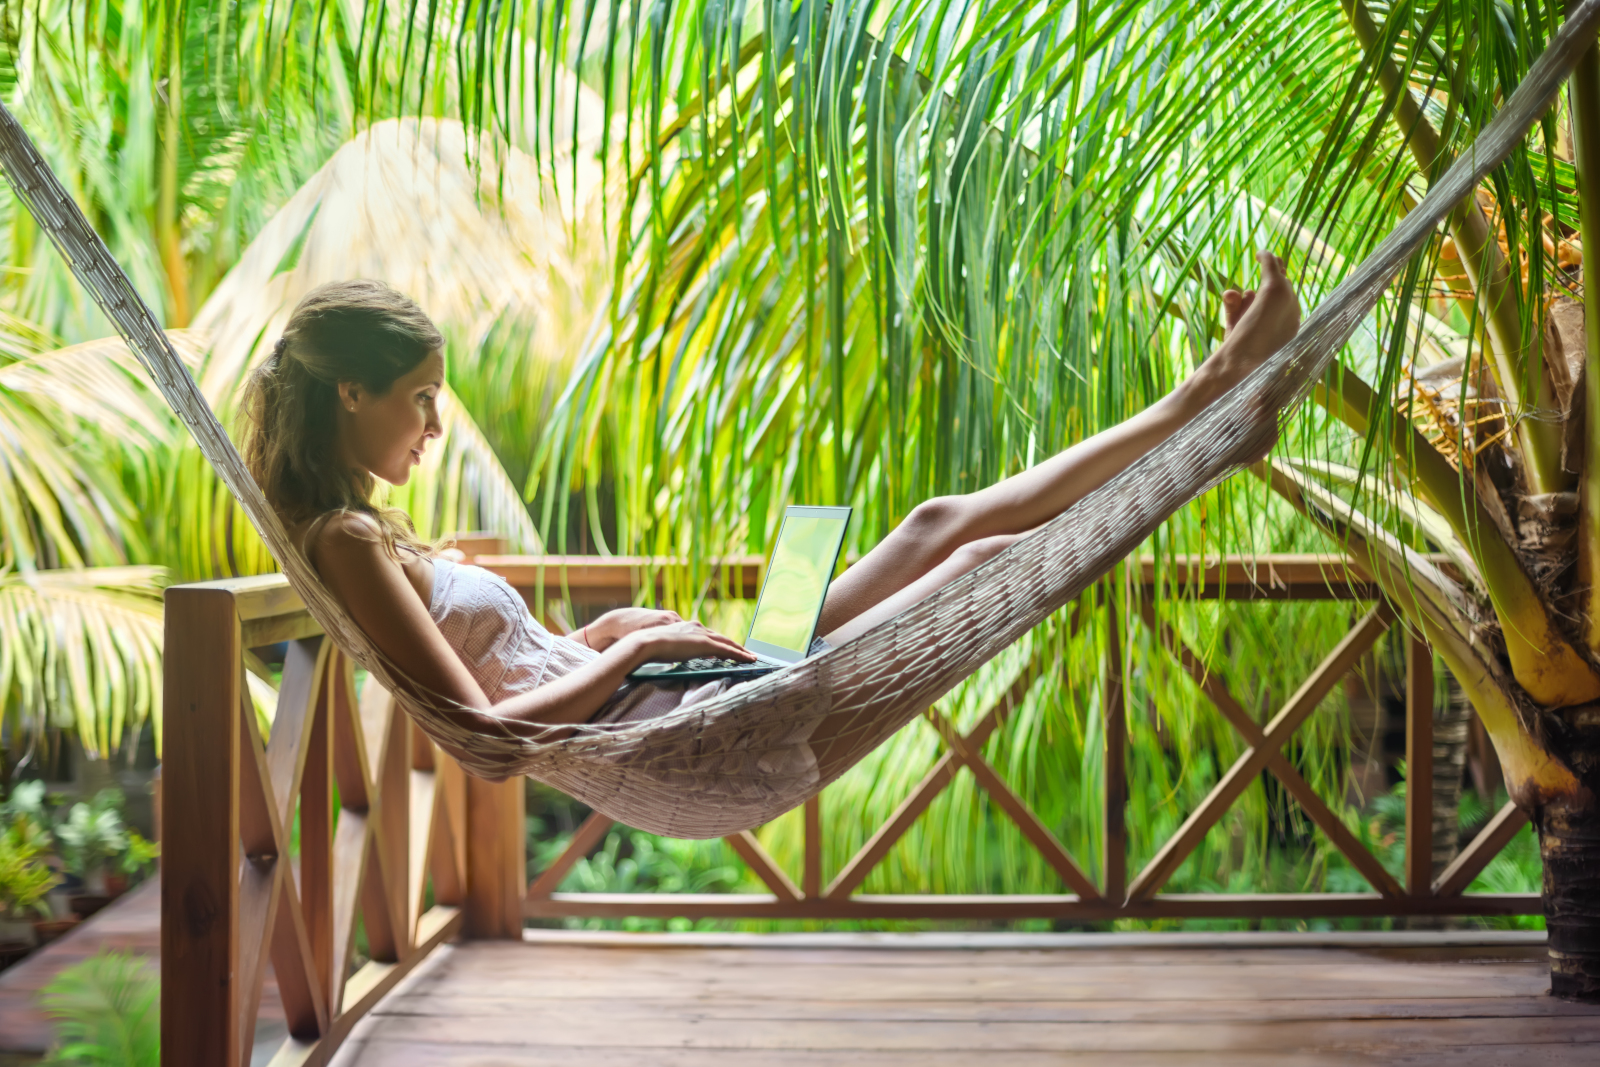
{"type": "Point", "coordinates": [316, 832]}
{"type": "Point", "coordinates": [497, 869]}
{"type": "Point", "coordinates": [200, 986]}
{"type": "Point", "coordinates": [1419, 766]}
{"type": "Point", "coordinates": [811, 872]}
{"type": "Point", "coordinates": [1114, 858]}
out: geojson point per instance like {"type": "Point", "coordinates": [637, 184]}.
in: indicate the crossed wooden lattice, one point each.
{"type": "Point", "coordinates": [1421, 894]}
{"type": "Point", "coordinates": [383, 842]}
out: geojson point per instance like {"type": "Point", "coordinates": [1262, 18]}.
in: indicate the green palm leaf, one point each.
{"type": "Point", "coordinates": [80, 650]}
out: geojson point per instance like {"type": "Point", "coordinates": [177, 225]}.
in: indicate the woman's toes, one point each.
{"type": "Point", "coordinates": [1234, 305]}
{"type": "Point", "coordinates": [1232, 308]}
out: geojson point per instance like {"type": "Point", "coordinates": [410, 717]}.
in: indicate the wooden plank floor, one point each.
{"type": "Point", "coordinates": [621, 1001]}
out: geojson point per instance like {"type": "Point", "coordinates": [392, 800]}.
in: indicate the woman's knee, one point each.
{"type": "Point", "coordinates": [984, 549]}
{"type": "Point", "coordinates": [940, 520]}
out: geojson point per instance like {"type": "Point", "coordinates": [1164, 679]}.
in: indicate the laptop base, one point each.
{"type": "Point", "coordinates": [676, 673]}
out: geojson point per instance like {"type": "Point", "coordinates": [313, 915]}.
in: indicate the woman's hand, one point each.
{"type": "Point", "coordinates": [614, 625]}
{"type": "Point", "coordinates": [684, 640]}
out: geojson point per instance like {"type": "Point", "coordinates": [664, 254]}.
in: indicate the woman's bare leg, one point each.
{"type": "Point", "coordinates": [911, 560]}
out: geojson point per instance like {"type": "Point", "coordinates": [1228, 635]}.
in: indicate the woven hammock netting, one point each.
{"type": "Point", "coordinates": [764, 747]}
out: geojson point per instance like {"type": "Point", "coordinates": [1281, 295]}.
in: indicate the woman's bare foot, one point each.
{"type": "Point", "coordinates": [1258, 322]}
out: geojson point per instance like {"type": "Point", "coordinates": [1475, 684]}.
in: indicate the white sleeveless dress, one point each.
{"type": "Point", "coordinates": [488, 624]}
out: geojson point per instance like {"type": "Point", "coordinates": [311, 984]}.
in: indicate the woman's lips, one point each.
{"type": "Point", "coordinates": [416, 454]}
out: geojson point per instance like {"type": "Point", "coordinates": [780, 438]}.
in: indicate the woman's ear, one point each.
{"type": "Point", "coordinates": [350, 395]}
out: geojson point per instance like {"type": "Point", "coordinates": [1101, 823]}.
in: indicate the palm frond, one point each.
{"type": "Point", "coordinates": [80, 650]}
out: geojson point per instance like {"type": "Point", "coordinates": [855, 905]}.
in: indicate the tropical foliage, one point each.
{"type": "Point", "coordinates": [216, 175]}
{"type": "Point", "coordinates": [881, 251]}
{"type": "Point", "coordinates": [107, 1011]}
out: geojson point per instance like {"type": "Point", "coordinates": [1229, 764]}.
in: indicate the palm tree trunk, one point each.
{"type": "Point", "coordinates": [1569, 829]}
{"type": "Point", "coordinates": [1569, 841]}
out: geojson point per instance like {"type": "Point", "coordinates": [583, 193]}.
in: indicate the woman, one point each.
{"type": "Point", "coordinates": [350, 396]}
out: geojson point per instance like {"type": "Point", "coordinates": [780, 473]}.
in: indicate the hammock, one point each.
{"type": "Point", "coordinates": [764, 747]}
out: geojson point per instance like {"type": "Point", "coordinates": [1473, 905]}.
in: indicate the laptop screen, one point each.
{"type": "Point", "coordinates": [796, 582]}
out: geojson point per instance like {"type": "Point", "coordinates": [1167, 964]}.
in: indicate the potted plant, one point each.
{"type": "Point", "coordinates": [89, 838]}
{"type": "Point", "coordinates": [140, 854]}
{"type": "Point", "coordinates": [24, 811]}
{"type": "Point", "coordinates": [24, 881]}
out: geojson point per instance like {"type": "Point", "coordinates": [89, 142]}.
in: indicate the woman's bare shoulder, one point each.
{"type": "Point", "coordinates": [344, 536]}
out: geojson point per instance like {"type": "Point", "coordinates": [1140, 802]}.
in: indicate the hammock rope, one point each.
{"type": "Point", "coordinates": [762, 748]}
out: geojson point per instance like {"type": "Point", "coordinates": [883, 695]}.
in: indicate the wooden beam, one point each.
{"type": "Point", "coordinates": [377, 911]}
{"type": "Point", "coordinates": [1114, 843]}
{"type": "Point", "coordinates": [257, 633]}
{"type": "Point", "coordinates": [1020, 906]}
{"type": "Point", "coordinates": [811, 876]}
{"type": "Point", "coordinates": [497, 872]}
{"type": "Point", "coordinates": [589, 834]}
{"type": "Point", "coordinates": [940, 775]}
{"type": "Point", "coordinates": [878, 845]}
{"type": "Point", "coordinates": [1032, 827]}
{"type": "Point", "coordinates": [271, 611]}
{"type": "Point", "coordinates": [444, 846]}
{"type": "Point", "coordinates": [419, 830]}
{"type": "Point", "coordinates": [1419, 765]}
{"type": "Point", "coordinates": [599, 579]}
{"type": "Point", "coordinates": [758, 860]}
{"type": "Point", "coordinates": [1506, 823]}
{"type": "Point", "coordinates": [259, 888]}
{"type": "Point", "coordinates": [351, 766]}
{"type": "Point", "coordinates": [391, 826]}
{"type": "Point", "coordinates": [316, 834]}
{"type": "Point", "coordinates": [352, 843]}
{"type": "Point", "coordinates": [452, 818]}
{"type": "Point", "coordinates": [1315, 808]}
{"type": "Point", "coordinates": [270, 596]}
{"type": "Point", "coordinates": [200, 830]}
{"type": "Point", "coordinates": [1274, 576]}
{"type": "Point", "coordinates": [1254, 759]}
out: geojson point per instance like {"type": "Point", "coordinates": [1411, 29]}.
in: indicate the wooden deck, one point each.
{"type": "Point", "coordinates": [864, 1000]}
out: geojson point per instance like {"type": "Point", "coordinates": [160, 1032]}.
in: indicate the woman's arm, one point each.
{"type": "Point", "coordinates": [374, 590]}
{"type": "Point", "coordinates": [619, 623]}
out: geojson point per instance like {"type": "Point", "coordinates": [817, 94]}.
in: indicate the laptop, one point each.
{"type": "Point", "coordinates": [787, 606]}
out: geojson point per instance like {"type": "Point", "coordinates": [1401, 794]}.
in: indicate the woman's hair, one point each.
{"type": "Point", "coordinates": [354, 331]}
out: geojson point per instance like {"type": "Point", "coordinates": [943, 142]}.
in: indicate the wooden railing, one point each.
{"type": "Point", "coordinates": [823, 894]}
{"type": "Point", "coordinates": [398, 850]}
{"type": "Point", "coordinates": [396, 846]}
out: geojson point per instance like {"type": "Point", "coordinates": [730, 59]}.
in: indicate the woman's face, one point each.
{"type": "Point", "coordinates": [387, 434]}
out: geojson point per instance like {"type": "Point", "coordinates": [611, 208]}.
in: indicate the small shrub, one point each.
{"type": "Point", "coordinates": [108, 1013]}
{"type": "Point", "coordinates": [92, 834]}
{"type": "Point", "coordinates": [24, 878]}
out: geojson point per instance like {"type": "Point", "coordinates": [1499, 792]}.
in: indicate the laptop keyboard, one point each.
{"type": "Point", "coordinates": [707, 663]}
